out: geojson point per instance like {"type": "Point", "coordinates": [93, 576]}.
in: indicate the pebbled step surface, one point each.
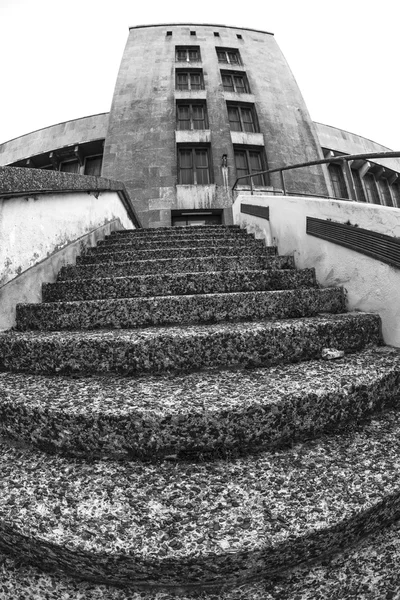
{"type": "Point", "coordinates": [177, 265]}
{"type": "Point", "coordinates": [195, 524]}
{"type": "Point", "coordinates": [128, 313]}
{"type": "Point", "coordinates": [204, 414]}
{"type": "Point", "coordinates": [179, 241]}
{"type": "Point", "coordinates": [178, 284]}
{"type": "Point", "coordinates": [368, 570]}
{"type": "Point", "coordinates": [95, 256]}
{"type": "Point", "coordinates": [187, 348]}
{"type": "Point", "coordinates": [226, 229]}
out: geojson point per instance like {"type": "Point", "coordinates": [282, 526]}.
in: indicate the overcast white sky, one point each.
{"type": "Point", "coordinates": [59, 59]}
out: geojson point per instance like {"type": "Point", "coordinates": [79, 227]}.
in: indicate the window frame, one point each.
{"type": "Point", "coordinates": [191, 119]}
{"type": "Point", "coordinates": [194, 167]}
{"type": "Point", "coordinates": [339, 186]}
{"type": "Point", "coordinates": [229, 52]}
{"type": "Point", "coordinates": [93, 157]}
{"type": "Point", "coordinates": [248, 150]}
{"type": "Point", "coordinates": [187, 50]}
{"type": "Point", "coordinates": [235, 75]}
{"type": "Point", "coordinates": [240, 108]}
{"type": "Point", "coordinates": [371, 189]}
{"type": "Point", "coordinates": [189, 73]}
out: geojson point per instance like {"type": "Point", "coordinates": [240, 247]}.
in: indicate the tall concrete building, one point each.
{"type": "Point", "coordinates": [194, 108]}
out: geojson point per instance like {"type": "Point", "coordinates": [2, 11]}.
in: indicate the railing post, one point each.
{"type": "Point", "coordinates": [282, 182]}
{"type": "Point", "coordinates": [251, 184]}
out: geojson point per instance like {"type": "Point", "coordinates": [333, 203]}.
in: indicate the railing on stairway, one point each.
{"type": "Point", "coordinates": [343, 160]}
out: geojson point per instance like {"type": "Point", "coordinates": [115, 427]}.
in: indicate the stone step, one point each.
{"type": "Point", "coordinates": [181, 230]}
{"type": "Point", "coordinates": [367, 570]}
{"type": "Point", "coordinates": [178, 284]}
{"type": "Point", "coordinates": [206, 415]}
{"type": "Point", "coordinates": [238, 262]}
{"type": "Point", "coordinates": [128, 313]}
{"type": "Point", "coordinates": [94, 255]}
{"type": "Point", "coordinates": [211, 524]}
{"type": "Point", "coordinates": [192, 347]}
{"type": "Point", "coordinates": [117, 245]}
{"type": "Point", "coordinates": [179, 235]}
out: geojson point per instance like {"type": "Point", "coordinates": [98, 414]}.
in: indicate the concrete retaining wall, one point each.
{"type": "Point", "coordinates": [371, 285]}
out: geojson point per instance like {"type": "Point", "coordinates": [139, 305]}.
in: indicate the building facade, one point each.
{"type": "Point", "coordinates": [195, 107]}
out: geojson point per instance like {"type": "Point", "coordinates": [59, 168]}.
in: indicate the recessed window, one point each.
{"type": "Point", "coordinates": [235, 82]}
{"type": "Point", "coordinates": [249, 161]}
{"type": "Point", "coordinates": [192, 33]}
{"type": "Point", "coordinates": [189, 80]}
{"type": "Point", "coordinates": [194, 165]}
{"type": "Point", "coordinates": [385, 192]}
{"type": "Point", "coordinates": [370, 189]}
{"type": "Point", "coordinates": [337, 180]}
{"type": "Point", "coordinates": [229, 56]}
{"type": "Point", "coordinates": [191, 115]}
{"type": "Point", "coordinates": [239, 37]}
{"type": "Point", "coordinates": [70, 166]}
{"type": "Point", "coordinates": [187, 53]}
{"type": "Point", "coordinates": [395, 188]}
{"type": "Point", "coordinates": [169, 33]}
{"type": "Point", "coordinates": [242, 117]}
{"type": "Point", "coordinates": [93, 165]}
{"type": "Point", "coordinates": [358, 186]}
{"type": "Point", "coordinates": [216, 33]}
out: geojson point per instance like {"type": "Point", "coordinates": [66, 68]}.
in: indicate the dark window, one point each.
{"type": "Point", "coordinates": [72, 166]}
{"type": "Point", "coordinates": [338, 182]}
{"type": "Point", "coordinates": [169, 33]}
{"type": "Point", "coordinates": [195, 218]}
{"type": "Point", "coordinates": [93, 165]}
{"type": "Point", "coordinates": [239, 37]}
{"type": "Point", "coordinates": [192, 33]}
{"type": "Point", "coordinates": [235, 82]}
{"type": "Point", "coordinates": [385, 192]}
{"type": "Point", "coordinates": [191, 115]}
{"type": "Point", "coordinates": [194, 166]}
{"type": "Point", "coordinates": [187, 53]}
{"type": "Point", "coordinates": [242, 117]}
{"type": "Point", "coordinates": [230, 56]}
{"type": "Point", "coordinates": [370, 189]}
{"type": "Point", "coordinates": [189, 80]}
{"type": "Point", "coordinates": [396, 194]}
{"type": "Point", "coordinates": [249, 161]}
{"type": "Point", "coordinates": [358, 185]}
{"type": "Point", "coordinates": [216, 33]}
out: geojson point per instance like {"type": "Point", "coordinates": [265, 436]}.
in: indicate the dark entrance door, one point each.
{"type": "Point", "coordinates": [195, 218]}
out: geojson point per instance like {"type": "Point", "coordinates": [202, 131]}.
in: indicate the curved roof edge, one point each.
{"type": "Point", "coordinates": [200, 25]}
{"type": "Point", "coordinates": [355, 134]}
{"type": "Point", "coordinates": [54, 125]}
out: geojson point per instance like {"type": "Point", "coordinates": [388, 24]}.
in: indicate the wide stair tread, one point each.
{"type": "Point", "coordinates": [201, 523]}
{"type": "Point", "coordinates": [178, 283]}
{"type": "Point", "coordinates": [176, 265]}
{"type": "Point", "coordinates": [174, 241]}
{"type": "Point", "coordinates": [127, 313]}
{"type": "Point", "coordinates": [364, 571]}
{"type": "Point", "coordinates": [203, 414]}
{"type": "Point", "coordinates": [264, 343]}
{"type": "Point", "coordinates": [97, 255]}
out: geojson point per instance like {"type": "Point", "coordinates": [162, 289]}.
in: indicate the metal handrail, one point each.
{"type": "Point", "coordinates": [343, 159]}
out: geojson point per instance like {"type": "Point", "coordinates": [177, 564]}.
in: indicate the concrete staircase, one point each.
{"type": "Point", "coordinates": [168, 426]}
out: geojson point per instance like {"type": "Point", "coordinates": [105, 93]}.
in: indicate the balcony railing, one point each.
{"type": "Point", "coordinates": [343, 160]}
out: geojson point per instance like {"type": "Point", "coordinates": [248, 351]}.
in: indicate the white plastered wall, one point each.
{"type": "Point", "coordinates": [40, 234]}
{"type": "Point", "coordinates": [371, 285]}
